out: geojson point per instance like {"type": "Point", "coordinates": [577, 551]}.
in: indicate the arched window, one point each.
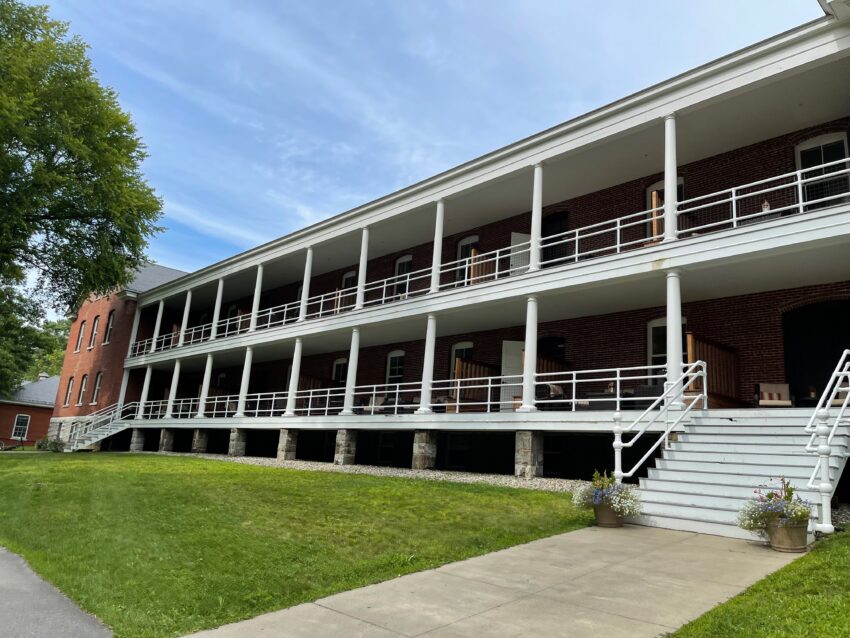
{"type": "Point", "coordinates": [403, 267]}
{"type": "Point", "coordinates": [94, 326]}
{"type": "Point", "coordinates": [69, 391]}
{"type": "Point", "coordinates": [461, 350]}
{"type": "Point", "coordinates": [395, 367]}
{"type": "Point", "coordinates": [84, 382]}
{"type": "Point", "coordinates": [110, 320]}
{"type": "Point", "coordinates": [80, 336]}
{"type": "Point", "coordinates": [339, 370]}
{"type": "Point", "coordinates": [95, 393]}
{"type": "Point", "coordinates": [467, 248]}
{"type": "Point", "coordinates": [812, 154]}
{"type": "Point", "coordinates": [656, 342]}
{"type": "Point", "coordinates": [655, 206]}
{"type": "Point", "coordinates": [349, 280]}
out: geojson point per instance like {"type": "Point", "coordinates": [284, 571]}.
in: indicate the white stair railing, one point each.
{"type": "Point", "coordinates": [82, 429]}
{"type": "Point", "coordinates": [823, 426]}
{"type": "Point", "coordinates": [671, 408]}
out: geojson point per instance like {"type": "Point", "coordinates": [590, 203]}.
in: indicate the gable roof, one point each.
{"type": "Point", "coordinates": [151, 276]}
{"type": "Point", "coordinates": [41, 392]}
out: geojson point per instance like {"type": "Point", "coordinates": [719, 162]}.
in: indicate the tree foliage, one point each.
{"type": "Point", "coordinates": [75, 206]}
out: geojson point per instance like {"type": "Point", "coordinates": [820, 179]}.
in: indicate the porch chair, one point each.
{"type": "Point", "coordinates": [773, 395]}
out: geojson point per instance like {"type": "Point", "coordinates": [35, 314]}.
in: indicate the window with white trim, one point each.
{"type": "Point", "coordinates": [813, 153]}
{"type": "Point", "coordinates": [349, 280]}
{"type": "Point", "coordinates": [467, 248]}
{"type": "Point", "coordinates": [403, 266]}
{"type": "Point", "coordinates": [69, 391]}
{"type": "Point", "coordinates": [395, 367]}
{"type": "Point", "coordinates": [80, 336]}
{"type": "Point", "coordinates": [110, 320]}
{"type": "Point", "coordinates": [461, 350]}
{"type": "Point", "coordinates": [84, 382]}
{"type": "Point", "coordinates": [339, 371]}
{"type": "Point", "coordinates": [95, 393]}
{"type": "Point", "coordinates": [656, 342]}
{"type": "Point", "coordinates": [94, 326]}
{"type": "Point", "coordinates": [21, 427]}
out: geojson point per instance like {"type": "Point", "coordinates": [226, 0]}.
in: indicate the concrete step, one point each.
{"type": "Point", "coordinates": [711, 488]}
{"type": "Point", "coordinates": [691, 525]}
{"type": "Point", "coordinates": [699, 436]}
{"type": "Point", "coordinates": [722, 478]}
{"type": "Point", "coordinates": [799, 459]}
{"type": "Point", "coordinates": [710, 501]}
{"type": "Point", "coordinates": [705, 514]}
{"type": "Point", "coordinates": [764, 447]}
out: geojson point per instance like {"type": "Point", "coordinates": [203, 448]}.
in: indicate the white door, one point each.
{"type": "Point", "coordinates": [519, 259]}
{"type": "Point", "coordinates": [512, 368]}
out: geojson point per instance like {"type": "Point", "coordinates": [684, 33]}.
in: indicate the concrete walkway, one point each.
{"type": "Point", "coordinates": [630, 582]}
{"type": "Point", "coordinates": [33, 608]}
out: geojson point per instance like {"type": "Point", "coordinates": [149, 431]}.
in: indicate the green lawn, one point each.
{"type": "Point", "coordinates": [161, 546]}
{"type": "Point", "coordinates": [810, 598]}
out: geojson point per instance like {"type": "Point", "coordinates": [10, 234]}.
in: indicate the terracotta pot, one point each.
{"type": "Point", "coordinates": [607, 517]}
{"type": "Point", "coordinates": [788, 536]}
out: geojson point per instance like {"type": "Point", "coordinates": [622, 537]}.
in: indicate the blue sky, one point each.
{"type": "Point", "coordinates": [261, 117]}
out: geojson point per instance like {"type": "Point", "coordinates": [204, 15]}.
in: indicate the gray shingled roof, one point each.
{"type": "Point", "coordinates": [151, 276]}
{"type": "Point", "coordinates": [41, 391]}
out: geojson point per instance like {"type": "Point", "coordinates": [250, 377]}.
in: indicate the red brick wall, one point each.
{"type": "Point", "coordinates": [108, 358]}
{"type": "Point", "coordinates": [39, 421]}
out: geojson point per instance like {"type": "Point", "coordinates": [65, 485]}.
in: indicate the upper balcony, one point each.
{"type": "Point", "coordinates": [743, 156]}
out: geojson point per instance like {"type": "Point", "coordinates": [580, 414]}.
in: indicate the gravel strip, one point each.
{"type": "Point", "coordinates": [502, 480]}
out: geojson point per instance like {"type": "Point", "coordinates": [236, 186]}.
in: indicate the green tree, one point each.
{"type": "Point", "coordinates": [49, 351]}
{"type": "Point", "coordinates": [20, 339]}
{"type": "Point", "coordinates": [75, 206]}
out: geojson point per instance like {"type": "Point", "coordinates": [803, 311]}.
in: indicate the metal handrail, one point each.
{"type": "Point", "coordinates": [660, 407]}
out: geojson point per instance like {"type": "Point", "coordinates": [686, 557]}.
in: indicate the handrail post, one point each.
{"type": "Point", "coordinates": [734, 209]}
{"type": "Point", "coordinates": [825, 485]}
{"type": "Point", "coordinates": [575, 383]}
{"type": "Point", "coordinates": [617, 395]}
{"type": "Point", "coordinates": [618, 447]}
{"type": "Point", "coordinates": [800, 192]}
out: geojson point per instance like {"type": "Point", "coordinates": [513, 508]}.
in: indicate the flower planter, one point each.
{"type": "Point", "coordinates": [607, 517]}
{"type": "Point", "coordinates": [788, 536]}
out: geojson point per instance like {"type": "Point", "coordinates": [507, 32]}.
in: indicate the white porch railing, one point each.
{"type": "Point", "coordinates": [278, 315]}
{"type": "Point", "coordinates": [792, 193]}
{"type": "Point", "coordinates": [103, 417]}
{"type": "Point", "coordinates": [824, 426]}
{"type": "Point", "coordinates": [398, 287]}
{"type": "Point", "coordinates": [670, 408]}
{"type": "Point", "coordinates": [490, 266]}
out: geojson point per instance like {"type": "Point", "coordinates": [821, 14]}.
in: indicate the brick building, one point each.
{"type": "Point", "coordinates": [25, 416]}
{"type": "Point", "coordinates": [683, 250]}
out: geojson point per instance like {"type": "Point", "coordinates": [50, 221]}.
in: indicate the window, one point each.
{"type": "Point", "coordinates": [654, 201]}
{"type": "Point", "coordinates": [349, 280]}
{"type": "Point", "coordinates": [403, 266]}
{"type": "Point", "coordinates": [84, 382]}
{"type": "Point", "coordinates": [656, 339]}
{"type": "Point", "coordinates": [94, 326]}
{"type": "Point", "coordinates": [815, 152]}
{"type": "Point", "coordinates": [69, 391]}
{"type": "Point", "coordinates": [467, 248]}
{"type": "Point", "coordinates": [461, 350]}
{"type": "Point", "coordinates": [339, 372]}
{"type": "Point", "coordinates": [80, 336]}
{"type": "Point", "coordinates": [395, 366]}
{"type": "Point", "coordinates": [22, 426]}
{"type": "Point", "coordinates": [107, 335]}
{"type": "Point", "coordinates": [95, 393]}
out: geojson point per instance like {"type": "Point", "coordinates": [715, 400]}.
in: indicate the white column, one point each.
{"type": "Point", "coordinates": [172, 391]}
{"type": "Point", "coordinates": [351, 377]}
{"type": "Point", "coordinates": [674, 333]}
{"type": "Point", "coordinates": [205, 387]}
{"type": "Point", "coordinates": [437, 259]}
{"type": "Point", "coordinates": [536, 217]}
{"type": "Point", "coordinates": [157, 325]}
{"type": "Point", "coordinates": [529, 362]}
{"type": "Point", "coordinates": [122, 393]}
{"type": "Point", "coordinates": [671, 178]}
{"type": "Point", "coordinates": [255, 307]}
{"type": "Point", "coordinates": [135, 329]}
{"type": "Point", "coordinates": [217, 309]}
{"type": "Point", "coordinates": [305, 284]}
{"type": "Point", "coordinates": [428, 366]}
{"type": "Point", "coordinates": [144, 397]}
{"type": "Point", "coordinates": [294, 376]}
{"type": "Point", "coordinates": [187, 307]}
{"type": "Point", "coordinates": [246, 381]}
{"type": "Point", "coordinates": [361, 272]}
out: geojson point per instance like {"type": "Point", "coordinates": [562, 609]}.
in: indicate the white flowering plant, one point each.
{"type": "Point", "coordinates": [604, 490]}
{"type": "Point", "coordinates": [771, 504]}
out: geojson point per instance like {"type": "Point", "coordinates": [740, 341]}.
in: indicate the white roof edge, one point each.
{"type": "Point", "coordinates": [618, 107]}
